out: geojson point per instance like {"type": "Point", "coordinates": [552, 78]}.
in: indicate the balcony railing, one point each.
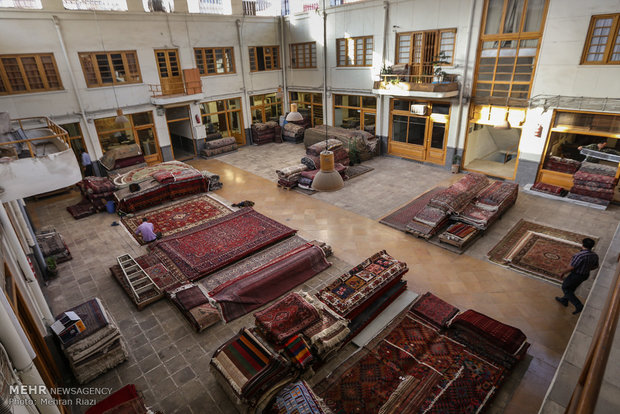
{"type": "Point", "coordinates": [171, 88]}
{"type": "Point", "coordinates": [33, 137]}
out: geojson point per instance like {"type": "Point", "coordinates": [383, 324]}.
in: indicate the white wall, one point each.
{"type": "Point", "coordinates": [559, 71]}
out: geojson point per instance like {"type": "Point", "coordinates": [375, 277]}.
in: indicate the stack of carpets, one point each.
{"type": "Point", "coordinates": [249, 370]}
{"type": "Point", "coordinates": [352, 294]}
{"type": "Point", "coordinates": [194, 306]}
{"type": "Point", "coordinates": [549, 189]}
{"type": "Point", "coordinates": [82, 209]}
{"type": "Point", "coordinates": [307, 177]}
{"type": "Point", "coordinates": [563, 165]}
{"type": "Point", "coordinates": [415, 365]}
{"type": "Point", "coordinates": [122, 157]}
{"type": "Point", "coordinates": [263, 133]}
{"type": "Point", "coordinates": [213, 180]}
{"type": "Point", "coordinates": [219, 146]}
{"type": "Point", "coordinates": [594, 183]}
{"type": "Point", "coordinates": [293, 133]}
{"type": "Point", "coordinates": [454, 198]}
{"type": "Point", "coordinates": [327, 335]}
{"type": "Point", "coordinates": [364, 143]}
{"type": "Point", "coordinates": [458, 234]}
{"type": "Point", "coordinates": [289, 177]}
{"type": "Point", "coordinates": [341, 154]}
{"type": "Point", "coordinates": [99, 347]}
{"type": "Point", "coordinates": [212, 136]}
{"type": "Point", "coordinates": [97, 190]}
{"type": "Point", "coordinates": [53, 245]}
{"type": "Point", "coordinates": [298, 397]}
{"type": "Point", "coordinates": [251, 290]}
{"type": "Point", "coordinates": [489, 205]}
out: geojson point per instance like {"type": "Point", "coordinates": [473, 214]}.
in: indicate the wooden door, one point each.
{"type": "Point", "coordinates": [170, 74]}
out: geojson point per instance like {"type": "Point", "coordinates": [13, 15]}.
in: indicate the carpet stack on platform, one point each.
{"type": "Point", "coordinates": [263, 133]}
{"type": "Point", "coordinates": [364, 143]}
{"type": "Point", "coordinates": [53, 245]}
{"type": "Point", "coordinates": [212, 136]}
{"type": "Point", "coordinates": [289, 177]}
{"type": "Point", "coordinates": [489, 204]}
{"type": "Point", "coordinates": [97, 190]}
{"type": "Point", "coordinates": [563, 165]}
{"type": "Point", "coordinates": [98, 348]}
{"type": "Point", "coordinates": [293, 133]}
{"type": "Point", "coordinates": [218, 146]}
{"type": "Point", "coordinates": [594, 183]}
{"type": "Point", "coordinates": [122, 158]}
{"type": "Point", "coordinates": [341, 154]}
{"type": "Point", "coordinates": [549, 189]}
{"type": "Point", "coordinates": [194, 306]}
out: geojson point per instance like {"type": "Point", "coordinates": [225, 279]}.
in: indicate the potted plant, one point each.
{"type": "Point", "coordinates": [438, 62]}
{"type": "Point", "coordinates": [456, 163]}
{"type": "Point", "coordinates": [52, 269]}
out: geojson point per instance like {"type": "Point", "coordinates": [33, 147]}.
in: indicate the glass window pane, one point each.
{"type": "Point", "coordinates": [494, 15]}
{"type": "Point", "coordinates": [437, 135]}
{"type": "Point", "coordinates": [369, 122]}
{"type": "Point", "coordinates": [399, 128]}
{"type": "Point", "coordinates": [142, 118]}
{"type": "Point", "coordinates": [534, 15]}
{"type": "Point", "coordinates": [32, 72]}
{"type": "Point", "coordinates": [104, 68]}
{"type": "Point", "coordinates": [402, 105]}
{"type": "Point", "coordinates": [443, 109]}
{"type": "Point", "coordinates": [512, 21]}
{"type": "Point", "coordinates": [369, 102]}
{"type": "Point", "coordinates": [417, 127]}
{"type": "Point", "coordinates": [147, 141]}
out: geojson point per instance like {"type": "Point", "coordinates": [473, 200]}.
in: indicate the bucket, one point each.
{"type": "Point", "coordinates": [110, 207]}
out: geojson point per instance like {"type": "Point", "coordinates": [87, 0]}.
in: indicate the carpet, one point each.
{"type": "Point", "coordinates": [401, 217]}
{"type": "Point", "coordinates": [211, 246]}
{"type": "Point", "coordinates": [329, 333]}
{"type": "Point", "coordinates": [297, 398]}
{"type": "Point", "coordinates": [144, 298]}
{"type": "Point", "coordinates": [178, 216]}
{"type": "Point", "coordinates": [434, 310]}
{"type": "Point", "coordinates": [254, 289]}
{"type": "Point", "coordinates": [505, 337]}
{"type": "Point", "coordinates": [94, 317]}
{"type": "Point", "coordinates": [286, 317]}
{"type": "Point", "coordinates": [357, 170]}
{"type": "Point", "coordinates": [537, 250]}
{"type": "Point", "coordinates": [179, 170]}
{"type": "Point", "coordinates": [251, 263]}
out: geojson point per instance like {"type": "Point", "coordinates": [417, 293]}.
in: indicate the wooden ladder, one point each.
{"type": "Point", "coordinates": [139, 281]}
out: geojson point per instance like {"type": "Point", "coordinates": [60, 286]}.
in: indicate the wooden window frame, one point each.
{"type": "Point", "coordinates": [362, 110]}
{"type": "Point", "coordinates": [6, 88]}
{"type": "Point", "coordinates": [200, 54]}
{"type": "Point", "coordinates": [227, 114]}
{"type": "Point", "coordinates": [312, 103]}
{"type": "Point", "coordinates": [98, 82]}
{"type": "Point", "coordinates": [262, 106]}
{"type": "Point", "coordinates": [611, 40]}
{"type": "Point", "coordinates": [298, 51]}
{"type": "Point", "coordinates": [267, 52]}
{"type": "Point", "coordinates": [349, 60]}
{"type": "Point", "coordinates": [436, 47]}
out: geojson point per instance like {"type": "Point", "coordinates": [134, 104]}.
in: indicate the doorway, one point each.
{"type": "Point", "coordinates": [181, 135]}
{"type": "Point", "coordinates": [169, 72]}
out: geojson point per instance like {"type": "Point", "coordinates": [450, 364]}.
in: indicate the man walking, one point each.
{"type": "Point", "coordinates": [578, 271]}
{"type": "Point", "coordinates": [88, 164]}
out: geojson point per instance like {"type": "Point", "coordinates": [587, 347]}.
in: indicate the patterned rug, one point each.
{"type": "Point", "coordinates": [211, 246]}
{"type": "Point", "coordinates": [434, 310]}
{"type": "Point", "coordinates": [286, 317]}
{"type": "Point", "coordinates": [357, 170]}
{"type": "Point", "coordinates": [179, 170]}
{"type": "Point", "coordinates": [537, 250]}
{"type": "Point", "coordinates": [178, 216]}
{"type": "Point", "coordinates": [401, 217]}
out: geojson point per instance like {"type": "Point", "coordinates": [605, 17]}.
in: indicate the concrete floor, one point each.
{"type": "Point", "coordinates": [169, 361]}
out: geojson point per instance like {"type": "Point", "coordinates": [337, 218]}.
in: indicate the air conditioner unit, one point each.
{"type": "Point", "coordinates": [418, 109]}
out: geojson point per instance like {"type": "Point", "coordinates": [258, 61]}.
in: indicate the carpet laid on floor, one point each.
{"type": "Point", "coordinates": [538, 250]}
{"type": "Point", "coordinates": [401, 217]}
{"type": "Point", "coordinates": [204, 249]}
{"type": "Point", "coordinates": [256, 288]}
{"type": "Point", "coordinates": [178, 216]}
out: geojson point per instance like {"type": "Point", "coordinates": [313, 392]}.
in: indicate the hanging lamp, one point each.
{"type": "Point", "coordinates": [294, 116]}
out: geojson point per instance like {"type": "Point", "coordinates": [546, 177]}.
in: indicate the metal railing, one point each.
{"type": "Point", "coordinates": [585, 394]}
{"type": "Point", "coordinates": [395, 78]}
{"type": "Point", "coordinates": [31, 124]}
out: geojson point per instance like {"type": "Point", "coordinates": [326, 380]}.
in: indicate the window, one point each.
{"type": "Point", "coordinates": [28, 73]}
{"type": "Point", "coordinates": [215, 61]}
{"type": "Point", "coordinates": [110, 68]}
{"type": "Point", "coordinates": [354, 51]}
{"type": "Point", "coordinates": [116, 5]}
{"type": "Point", "coordinates": [76, 139]}
{"type": "Point", "coordinates": [21, 4]}
{"type": "Point", "coordinates": [166, 6]}
{"type": "Point", "coordinates": [264, 58]}
{"type": "Point", "coordinates": [209, 6]}
{"type": "Point", "coordinates": [312, 103]}
{"type": "Point", "coordinates": [140, 130]}
{"type": "Point", "coordinates": [603, 42]}
{"type": "Point", "coordinates": [421, 49]}
{"type": "Point", "coordinates": [508, 51]}
{"type": "Point", "coordinates": [355, 112]}
{"type": "Point", "coordinates": [266, 107]}
{"type": "Point", "coordinates": [303, 55]}
{"type": "Point", "coordinates": [224, 116]}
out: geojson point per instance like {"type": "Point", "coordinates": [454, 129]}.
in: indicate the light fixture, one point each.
{"type": "Point", "coordinates": [120, 120]}
{"type": "Point", "coordinates": [294, 116]}
{"type": "Point", "coordinates": [327, 179]}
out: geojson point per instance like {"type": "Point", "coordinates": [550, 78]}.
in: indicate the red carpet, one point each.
{"type": "Point", "coordinates": [401, 217]}
{"type": "Point", "coordinates": [213, 245]}
{"type": "Point", "coordinates": [179, 216]}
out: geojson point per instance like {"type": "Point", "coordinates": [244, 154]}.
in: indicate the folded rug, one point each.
{"type": "Point", "coordinates": [293, 169]}
{"type": "Point", "coordinates": [434, 310]}
{"type": "Point", "coordinates": [504, 336]}
{"type": "Point", "coordinates": [164, 177]}
{"type": "Point", "coordinates": [316, 149]}
{"type": "Point", "coordinates": [299, 398]}
{"type": "Point", "coordinates": [431, 216]}
{"type": "Point", "coordinates": [286, 317]}
{"type": "Point", "coordinates": [549, 189]}
{"type": "Point", "coordinates": [189, 297]}
{"type": "Point", "coordinates": [221, 142]}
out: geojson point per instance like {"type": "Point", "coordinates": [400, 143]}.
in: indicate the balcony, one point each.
{"type": "Point", "coordinates": [35, 158]}
{"type": "Point", "coordinates": [177, 90]}
{"type": "Point", "coordinates": [418, 86]}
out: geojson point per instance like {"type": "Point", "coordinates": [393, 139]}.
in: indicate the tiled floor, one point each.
{"type": "Point", "coordinates": [169, 361]}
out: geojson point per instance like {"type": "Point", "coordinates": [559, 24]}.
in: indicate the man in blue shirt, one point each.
{"type": "Point", "coordinates": [87, 163]}
{"type": "Point", "coordinates": [578, 271]}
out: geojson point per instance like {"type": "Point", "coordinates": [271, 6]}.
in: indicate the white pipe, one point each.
{"type": "Point", "coordinates": [245, 89]}
{"type": "Point", "coordinates": [461, 92]}
{"type": "Point", "coordinates": [73, 81]}
{"type": "Point", "coordinates": [285, 103]}
{"type": "Point", "coordinates": [35, 246]}
{"type": "Point", "coordinates": [33, 284]}
{"type": "Point", "coordinates": [17, 227]}
{"type": "Point", "coordinates": [17, 212]}
{"type": "Point", "coordinates": [21, 359]}
{"type": "Point", "coordinates": [325, 111]}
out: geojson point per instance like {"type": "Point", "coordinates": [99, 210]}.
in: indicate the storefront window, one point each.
{"type": "Point", "coordinates": [224, 116]}
{"type": "Point", "coordinates": [76, 139]}
{"type": "Point", "coordinates": [312, 103]}
{"type": "Point", "coordinates": [265, 108]}
{"type": "Point", "coordinates": [140, 130]}
{"type": "Point", "coordinates": [355, 112]}
{"type": "Point", "coordinates": [491, 150]}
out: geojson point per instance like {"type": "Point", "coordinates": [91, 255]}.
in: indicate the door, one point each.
{"type": "Point", "coordinates": [181, 134]}
{"type": "Point", "coordinates": [169, 72]}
